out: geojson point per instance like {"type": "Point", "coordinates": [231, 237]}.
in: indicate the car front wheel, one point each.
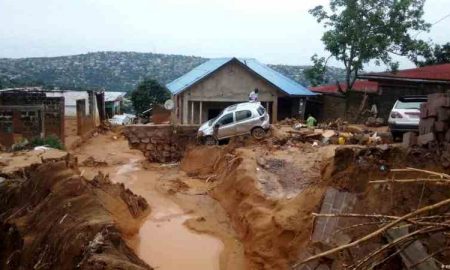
{"type": "Point", "coordinates": [210, 140]}
{"type": "Point", "coordinates": [258, 133]}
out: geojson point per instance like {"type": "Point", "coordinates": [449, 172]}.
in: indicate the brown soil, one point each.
{"type": "Point", "coordinates": [353, 167]}
{"type": "Point", "coordinates": [163, 186]}
{"type": "Point", "coordinates": [268, 195]}
{"type": "Point", "coordinates": [53, 218]}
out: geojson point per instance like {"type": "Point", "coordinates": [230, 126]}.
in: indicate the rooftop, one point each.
{"type": "Point", "coordinates": [359, 86]}
{"type": "Point", "coordinates": [277, 79]}
{"type": "Point", "coordinates": [113, 96]}
{"type": "Point", "coordinates": [428, 73]}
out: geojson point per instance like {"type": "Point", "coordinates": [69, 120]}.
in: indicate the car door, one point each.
{"type": "Point", "coordinates": [226, 126]}
{"type": "Point", "coordinates": [245, 121]}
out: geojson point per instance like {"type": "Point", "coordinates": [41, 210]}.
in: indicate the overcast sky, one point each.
{"type": "Point", "coordinates": [276, 31]}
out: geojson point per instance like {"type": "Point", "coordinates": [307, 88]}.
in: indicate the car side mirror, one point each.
{"type": "Point", "coordinates": [216, 126]}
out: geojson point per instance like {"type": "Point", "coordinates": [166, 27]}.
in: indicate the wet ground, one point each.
{"type": "Point", "coordinates": [164, 240]}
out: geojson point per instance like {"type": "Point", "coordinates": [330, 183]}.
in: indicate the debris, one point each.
{"type": "Point", "coordinates": [41, 148]}
{"type": "Point", "coordinates": [92, 162]}
{"type": "Point", "coordinates": [329, 133]}
{"type": "Point", "coordinates": [354, 129]}
{"type": "Point", "coordinates": [334, 202]}
{"type": "Point", "coordinates": [425, 139]}
{"type": "Point", "coordinates": [413, 253]}
{"type": "Point", "coordinates": [409, 139]}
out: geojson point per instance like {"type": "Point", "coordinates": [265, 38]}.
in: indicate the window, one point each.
{"type": "Point", "coordinates": [408, 105]}
{"type": "Point", "coordinates": [261, 110]}
{"type": "Point", "coordinates": [242, 115]}
{"type": "Point", "coordinates": [226, 119]}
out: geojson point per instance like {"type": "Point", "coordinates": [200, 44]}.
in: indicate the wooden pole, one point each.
{"type": "Point", "coordinates": [200, 112]}
{"type": "Point", "coordinates": [192, 112]}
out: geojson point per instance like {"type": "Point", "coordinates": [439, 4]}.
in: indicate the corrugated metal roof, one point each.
{"type": "Point", "coordinates": [280, 81]}
{"type": "Point", "coordinates": [113, 96]}
{"type": "Point", "coordinates": [433, 72]}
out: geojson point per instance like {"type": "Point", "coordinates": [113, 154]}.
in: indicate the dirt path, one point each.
{"type": "Point", "coordinates": [177, 202]}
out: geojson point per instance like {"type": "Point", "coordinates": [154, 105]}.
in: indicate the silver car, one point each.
{"type": "Point", "coordinates": [239, 119]}
{"type": "Point", "coordinates": [405, 115]}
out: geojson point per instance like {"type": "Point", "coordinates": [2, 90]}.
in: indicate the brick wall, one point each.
{"type": "Point", "coordinates": [161, 143]}
{"type": "Point", "coordinates": [336, 106]}
{"type": "Point", "coordinates": [29, 115]}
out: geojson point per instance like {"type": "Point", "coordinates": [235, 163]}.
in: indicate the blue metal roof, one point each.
{"type": "Point", "coordinates": [282, 82]}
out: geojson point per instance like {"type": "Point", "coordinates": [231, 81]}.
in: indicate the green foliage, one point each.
{"type": "Point", "coordinates": [360, 31]}
{"type": "Point", "coordinates": [439, 54]}
{"type": "Point", "coordinates": [148, 92]}
{"type": "Point", "coordinates": [316, 74]}
{"type": "Point", "coordinates": [50, 141]}
{"type": "Point", "coordinates": [114, 71]}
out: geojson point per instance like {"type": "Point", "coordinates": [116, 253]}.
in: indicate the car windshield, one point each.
{"type": "Point", "coordinates": [211, 121]}
{"type": "Point", "coordinates": [409, 105]}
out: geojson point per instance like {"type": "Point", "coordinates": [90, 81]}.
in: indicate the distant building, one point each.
{"type": "Point", "coordinates": [114, 103]}
{"type": "Point", "coordinates": [380, 89]}
{"type": "Point", "coordinates": [332, 103]}
{"type": "Point", "coordinates": [205, 91]}
{"type": "Point", "coordinates": [70, 100]}
{"type": "Point", "coordinates": [417, 81]}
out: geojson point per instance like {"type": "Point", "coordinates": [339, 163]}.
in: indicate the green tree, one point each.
{"type": "Point", "coordinates": [147, 93]}
{"type": "Point", "coordinates": [360, 31]}
{"type": "Point", "coordinates": [316, 74]}
{"type": "Point", "coordinates": [439, 54]}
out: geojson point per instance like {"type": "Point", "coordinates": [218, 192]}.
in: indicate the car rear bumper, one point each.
{"type": "Point", "coordinates": [403, 127]}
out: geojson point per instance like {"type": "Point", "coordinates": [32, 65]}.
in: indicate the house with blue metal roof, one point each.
{"type": "Point", "coordinates": [205, 91]}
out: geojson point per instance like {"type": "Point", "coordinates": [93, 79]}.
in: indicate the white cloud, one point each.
{"type": "Point", "coordinates": [273, 31]}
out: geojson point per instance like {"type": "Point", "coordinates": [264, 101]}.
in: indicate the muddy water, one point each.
{"type": "Point", "coordinates": [163, 241]}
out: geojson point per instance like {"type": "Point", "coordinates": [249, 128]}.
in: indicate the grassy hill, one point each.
{"type": "Point", "coordinates": [114, 71]}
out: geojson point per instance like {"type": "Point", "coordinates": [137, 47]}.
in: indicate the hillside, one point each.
{"type": "Point", "coordinates": [114, 71]}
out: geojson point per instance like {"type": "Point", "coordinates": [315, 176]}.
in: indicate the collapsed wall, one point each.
{"type": "Point", "coordinates": [53, 218]}
{"type": "Point", "coordinates": [161, 143]}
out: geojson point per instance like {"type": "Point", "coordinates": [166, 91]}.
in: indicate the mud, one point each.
{"type": "Point", "coordinates": [186, 227]}
{"type": "Point", "coordinates": [269, 197]}
{"type": "Point", "coordinates": [53, 218]}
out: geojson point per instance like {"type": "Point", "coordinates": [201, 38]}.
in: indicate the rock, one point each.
{"type": "Point", "coordinates": [426, 138]}
{"type": "Point", "coordinates": [329, 133]}
{"type": "Point", "coordinates": [409, 139]}
{"type": "Point", "coordinates": [354, 129]}
{"type": "Point", "coordinates": [145, 140]}
{"type": "Point", "coordinates": [334, 202]}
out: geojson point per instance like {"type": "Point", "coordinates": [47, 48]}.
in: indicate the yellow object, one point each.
{"type": "Point", "coordinates": [341, 140]}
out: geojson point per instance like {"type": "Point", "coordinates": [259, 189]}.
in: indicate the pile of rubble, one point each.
{"type": "Point", "coordinates": [348, 134]}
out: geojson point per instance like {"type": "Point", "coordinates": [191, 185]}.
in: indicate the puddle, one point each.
{"type": "Point", "coordinates": [163, 241]}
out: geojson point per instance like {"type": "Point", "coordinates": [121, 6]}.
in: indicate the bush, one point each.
{"type": "Point", "coordinates": [50, 141]}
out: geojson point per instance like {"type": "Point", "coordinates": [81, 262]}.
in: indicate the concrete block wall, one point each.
{"type": "Point", "coordinates": [434, 119]}
{"type": "Point", "coordinates": [161, 143]}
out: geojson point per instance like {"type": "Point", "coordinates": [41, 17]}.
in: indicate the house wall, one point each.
{"type": "Point", "coordinates": [337, 106]}
{"type": "Point", "coordinates": [230, 84]}
{"type": "Point", "coordinates": [29, 115]}
{"type": "Point", "coordinates": [70, 100]}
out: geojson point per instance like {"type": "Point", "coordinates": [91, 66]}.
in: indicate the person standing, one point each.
{"type": "Point", "coordinates": [253, 97]}
{"type": "Point", "coordinates": [311, 121]}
